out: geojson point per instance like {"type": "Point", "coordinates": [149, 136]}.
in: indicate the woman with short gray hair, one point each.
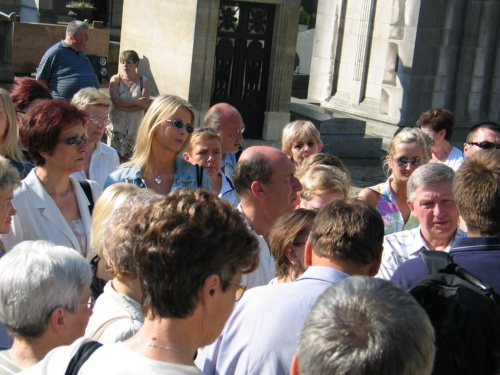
{"type": "Point", "coordinates": [43, 309]}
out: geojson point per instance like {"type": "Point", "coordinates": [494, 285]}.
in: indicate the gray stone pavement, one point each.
{"type": "Point", "coordinates": [364, 172]}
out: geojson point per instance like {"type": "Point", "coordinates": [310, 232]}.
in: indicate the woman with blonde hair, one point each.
{"type": "Point", "coordinates": [110, 200]}
{"type": "Point", "coordinates": [320, 185]}
{"type": "Point", "coordinates": [205, 149]}
{"type": "Point", "coordinates": [408, 150]}
{"type": "Point", "coordinates": [164, 132]}
{"type": "Point", "coordinates": [9, 180]}
{"type": "Point", "coordinates": [288, 241]}
{"type": "Point", "coordinates": [117, 312]}
{"type": "Point", "coordinates": [9, 135]}
{"type": "Point", "coordinates": [299, 140]}
{"type": "Point", "coordinates": [100, 159]}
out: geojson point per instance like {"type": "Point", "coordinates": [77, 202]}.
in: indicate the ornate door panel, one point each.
{"type": "Point", "coordinates": [242, 54]}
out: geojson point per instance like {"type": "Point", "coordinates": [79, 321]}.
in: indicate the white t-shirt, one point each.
{"type": "Point", "coordinates": [110, 359]}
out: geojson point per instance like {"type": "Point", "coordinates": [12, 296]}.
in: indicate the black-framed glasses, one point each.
{"type": "Point", "coordinates": [76, 140]}
{"type": "Point", "coordinates": [179, 125]}
{"type": "Point", "coordinates": [102, 121]}
{"type": "Point", "coordinates": [403, 162]}
{"type": "Point", "coordinates": [240, 290]}
{"type": "Point", "coordinates": [209, 130]}
{"type": "Point", "coordinates": [485, 145]}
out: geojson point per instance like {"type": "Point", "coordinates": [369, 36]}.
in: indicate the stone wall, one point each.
{"type": "Point", "coordinates": [31, 40]}
{"type": "Point", "coordinates": [389, 60]}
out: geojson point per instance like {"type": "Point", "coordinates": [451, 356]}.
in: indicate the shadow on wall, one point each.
{"type": "Point", "coordinates": [144, 69]}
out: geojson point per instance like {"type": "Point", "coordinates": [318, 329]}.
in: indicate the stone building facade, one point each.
{"type": "Point", "coordinates": [208, 51]}
{"type": "Point", "coordinates": [387, 61]}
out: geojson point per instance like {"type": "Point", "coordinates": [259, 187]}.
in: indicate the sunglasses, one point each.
{"type": "Point", "coordinates": [403, 162]}
{"type": "Point", "coordinates": [76, 140]}
{"type": "Point", "coordinates": [239, 291]}
{"type": "Point", "coordinates": [485, 145]}
{"type": "Point", "coordinates": [179, 125]}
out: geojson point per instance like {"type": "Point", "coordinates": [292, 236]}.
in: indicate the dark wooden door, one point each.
{"type": "Point", "coordinates": [242, 56]}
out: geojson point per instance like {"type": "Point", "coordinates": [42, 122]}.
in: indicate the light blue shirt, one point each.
{"type": "Point", "coordinates": [185, 176]}
{"type": "Point", "coordinates": [228, 164]}
{"type": "Point", "coordinates": [262, 334]}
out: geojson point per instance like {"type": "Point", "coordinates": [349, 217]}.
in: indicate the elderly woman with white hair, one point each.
{"type": "Point", "coordinates": [100, 159]}
{"type": "Point", "coordinates": [43, 309]}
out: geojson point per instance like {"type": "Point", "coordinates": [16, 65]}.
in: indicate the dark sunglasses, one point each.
{"type": "Point", "coordinates": [179, 124]}
{"type": "Point", "coordinates": [403, 162]}
{"type": "Point", "coordinates": [484, 145]}
{"type": "Point", "coordinates": [76, 140]}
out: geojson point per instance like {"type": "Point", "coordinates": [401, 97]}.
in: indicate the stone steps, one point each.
{"type": "Point", "coordinates": [341, 135]}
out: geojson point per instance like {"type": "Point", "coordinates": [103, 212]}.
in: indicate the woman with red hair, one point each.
{"type": "Point", "coordinates": [50, 204]}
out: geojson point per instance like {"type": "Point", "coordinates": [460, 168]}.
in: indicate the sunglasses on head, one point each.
{"type": "Point", "coordinates": [484, 145]}
{"type": "Point", "coordinates": [179, 125]}
{"type": "Point", "coordinates": [76, 140]}
{"type": "Point", "coordinates": [403, 162]}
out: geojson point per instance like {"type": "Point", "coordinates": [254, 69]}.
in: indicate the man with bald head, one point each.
{"type": "Point", "coordinates": [265, 182]}
{"type": "Point", "coordinates": [483, 136]}
{"type": "Point", "coordinates": [227, 120]}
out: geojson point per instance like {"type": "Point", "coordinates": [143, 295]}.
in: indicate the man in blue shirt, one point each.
{"type": "Point", "coordinates": [64, 68]}
{"type": "Point", "coordinates": [477, 195]}
{"type": "Point", "coordinates": [262, 334]}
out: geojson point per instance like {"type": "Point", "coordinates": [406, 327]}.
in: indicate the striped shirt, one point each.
{"type": "Point", "coordinates": [66, 70]}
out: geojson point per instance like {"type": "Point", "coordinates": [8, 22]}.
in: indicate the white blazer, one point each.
{"type": "Point", "coordinates": [38, 217]}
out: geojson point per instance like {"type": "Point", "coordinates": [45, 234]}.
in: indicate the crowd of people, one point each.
{"type": "Point", "coordinates": [170, 249]}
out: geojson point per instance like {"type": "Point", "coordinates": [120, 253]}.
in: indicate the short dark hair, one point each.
{"type": "Point", "coordinates": [129, 55]}
{"type": "Point", "coordinates": [438, 119]}
{"type": "Point", "coordinates": [23, 91]}
{"type": "Point", "coordinates": [476, 189]}
{"type": "Point", "coordinates": [188, 236]}
{"type": "Point", "coordinates": [490, 125]}
{"type": "Point", "coordinates": [348, 229]}
{"type": "Point", "coordinates": [43, 124]}
{"type": "Point", "coordinates": [255, 168]}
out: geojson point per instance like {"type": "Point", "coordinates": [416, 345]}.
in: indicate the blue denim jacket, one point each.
{"type": "Point", "coordinates": [185, 176]}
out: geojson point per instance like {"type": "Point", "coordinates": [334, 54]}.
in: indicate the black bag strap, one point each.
{"type": "Point", "coordinates": [435, 260]}
{"type": "Point", "coordinates": [88, 192]}
{"type": "Point", "coordinates": [199, 176]}
{"type": "Point", "coordinates": [82, 354]}
{"type": "Point", "coordinates": [141, 79]}
{"type": "Point", "coordinates": [440, 261]}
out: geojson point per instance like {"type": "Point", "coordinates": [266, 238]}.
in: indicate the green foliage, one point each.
{"type": "Point", "coordinates": [304, 17]}
{"type": "Point", "coordinates": [79, 4]}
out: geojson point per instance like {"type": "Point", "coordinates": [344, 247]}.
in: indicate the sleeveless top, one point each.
{"type": "Point", "coordinates": [127, 122]}
{"type": "Point", "coordinates": [388, 209]}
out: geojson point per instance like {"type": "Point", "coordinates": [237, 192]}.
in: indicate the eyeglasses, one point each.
{"type": "Point", "coordinates": [76, 140]}
{"type": "Point", "coordinates": [179, 124]}
{"type": "Point", "coordinates": [20, 111]}
{"type": "Point", "coordinates": [234, 133]}
{"type": "Point", "coordinates": [90, 304]}
{"type": "Point", "coordinates": [239, 291]}
{"type": "Point", "coordinates": [484, 145]}
{"type": "Point", "coordinates": [403, 162]}
{"type": "Point", "coordinates": [203, 130]}
{"type": "Point", "coordinates": [105, 121]}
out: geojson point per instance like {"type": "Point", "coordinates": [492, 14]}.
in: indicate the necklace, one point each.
{"type": "Point", "coordinates": [156, 346]}
{"type": "Point", "coordinates": [22, 358]}
{"type": "Point", "coordinates": [54, 195]}
{"type": "Point", "coordinates": [158, 179]}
